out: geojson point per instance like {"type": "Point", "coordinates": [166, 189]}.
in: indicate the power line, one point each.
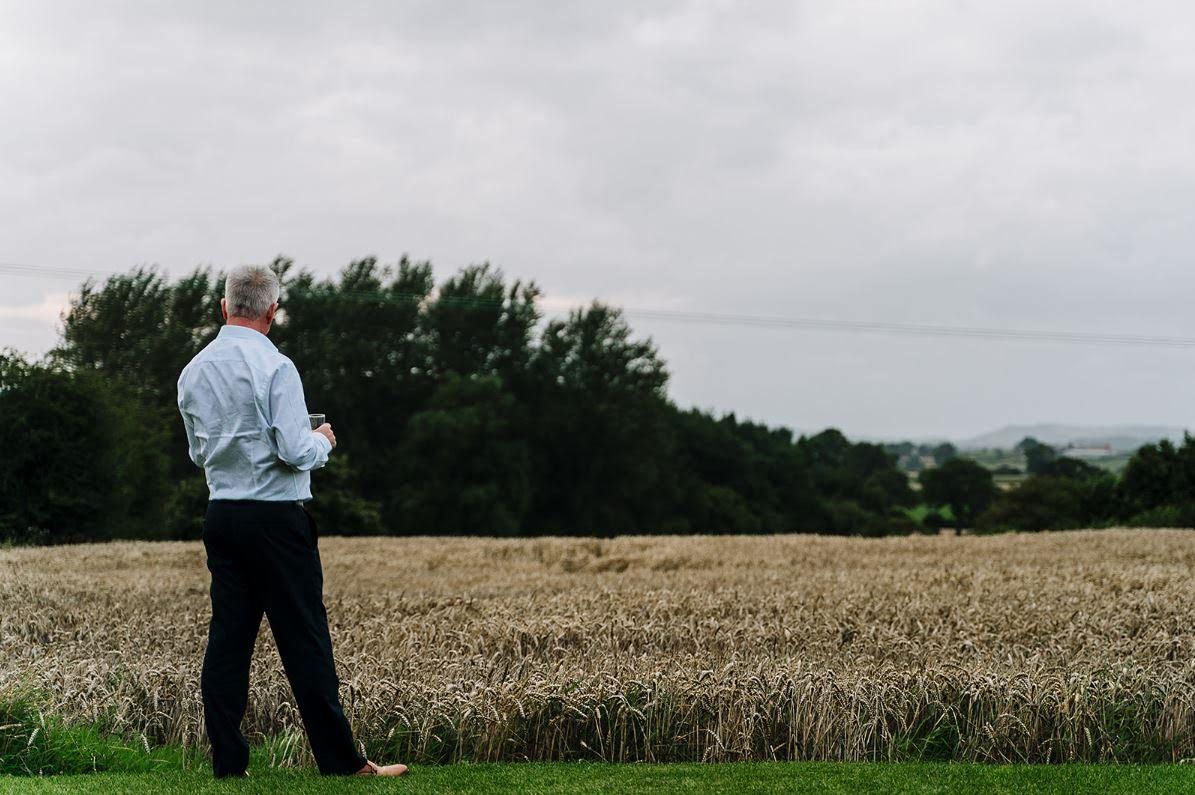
{"type": "Point", "coordinates": [796, 323]}
{"type": "Point", "coordinates": [387, 296]}
{"type": "Point", "coordinates": [54, 271]}
{"type": "Point", "coordinates": [913, 329]}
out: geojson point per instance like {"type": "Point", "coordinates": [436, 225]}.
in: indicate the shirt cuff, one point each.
{"type": "Point", "coordinates": [323, 440]}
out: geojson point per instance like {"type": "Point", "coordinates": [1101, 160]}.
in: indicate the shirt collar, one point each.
{"type": "Point", "coordinates": [243, 333]}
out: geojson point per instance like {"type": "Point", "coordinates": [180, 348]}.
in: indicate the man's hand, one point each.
{"type": "Point", "coordinates": [325, 430]}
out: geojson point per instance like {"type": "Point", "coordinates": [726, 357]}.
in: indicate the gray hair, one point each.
{"type": "Point", "coordinates": [250, 290]}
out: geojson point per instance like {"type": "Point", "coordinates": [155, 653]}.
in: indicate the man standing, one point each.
{"type": "Point", "coordinates": [246, 418]}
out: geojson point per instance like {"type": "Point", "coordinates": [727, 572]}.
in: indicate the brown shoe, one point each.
{"type": "Point", "coordinates": [371, 769]}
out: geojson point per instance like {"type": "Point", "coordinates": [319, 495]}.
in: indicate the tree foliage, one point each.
{"type": "Point", "coordinates": [961, 485]}
{"type": "Point", "coordinates": [79, 460]}
{"type": "Point", "coordinates": [1052, 502]}
{"type": "Point", "coordinates": [458, 408]}
{"type": "Point", "coordinates": [1158, 485]}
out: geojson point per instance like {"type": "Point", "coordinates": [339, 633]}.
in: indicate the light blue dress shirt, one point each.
{"type": "Point", "coordinates": [246, 418]}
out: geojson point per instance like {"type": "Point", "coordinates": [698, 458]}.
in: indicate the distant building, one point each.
{"type": "Point", "coordinates": [1087, 452]}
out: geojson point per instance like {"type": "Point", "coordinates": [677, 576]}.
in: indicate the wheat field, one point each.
{"type": "Point", "coordinates": [1043, 648]}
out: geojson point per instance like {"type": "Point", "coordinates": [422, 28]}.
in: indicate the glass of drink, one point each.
{"type": "Point", "coordinates": [316, 420]}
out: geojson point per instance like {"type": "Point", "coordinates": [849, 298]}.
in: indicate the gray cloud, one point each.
{"type": "Point", "coordinates": [1009, 165]}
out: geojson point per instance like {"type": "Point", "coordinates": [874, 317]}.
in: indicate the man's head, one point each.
{"type": "Point", "coordinates": [251, 297]}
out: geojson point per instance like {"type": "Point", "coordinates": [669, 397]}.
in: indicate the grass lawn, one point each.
{"type": "Point", "coordinates": [590, 777]}
{"type": "Point", "coordinates": [31, 742]}
{"type": "Point", "coordinates": [919, 512]}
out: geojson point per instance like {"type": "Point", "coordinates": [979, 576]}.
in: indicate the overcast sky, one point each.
{"type": "Point", "coordinates": [1006, 165]}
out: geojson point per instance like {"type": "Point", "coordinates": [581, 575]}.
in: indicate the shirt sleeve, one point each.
{"type": "Point", "coordinates": [194, 445]}
{"type": "Point", "coordinates": [298, 446]}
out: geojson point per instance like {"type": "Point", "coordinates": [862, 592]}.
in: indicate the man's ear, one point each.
{"type": "Point", "coordinates": [224, 308]}
{"type": "Point", "coordinates": [273, 310]}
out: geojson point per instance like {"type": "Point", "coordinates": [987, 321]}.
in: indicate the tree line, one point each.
{"type": "Point", "coordinates": [460, 408]}
{"type": "Point", "coordinates": [1156, 489]}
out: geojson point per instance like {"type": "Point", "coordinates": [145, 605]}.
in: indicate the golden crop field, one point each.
{"type": "Point", "coordinates": [1048, 647]}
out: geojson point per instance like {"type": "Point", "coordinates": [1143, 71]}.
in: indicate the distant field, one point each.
{"type": "Point", "coordinates": [992, 459]}
{"type": "Point", "coordinates": [1009, 482]}
{"type": "Point", "coordinates": [1013, 648]}
{"type": "Point", "coordinates": [922, 510]}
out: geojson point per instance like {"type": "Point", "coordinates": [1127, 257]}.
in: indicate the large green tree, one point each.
{"type": "Point", "coordinates": [600, 428]}
{"type": "Point", "coordinates": [860, 482]}
{"type": "Point", "coordinates": [81, 461]}
{"type": "Point", "coordinates": [1038, 456]}
{"type": "Point", "coordinates": [1053, 502]}
{"type": "Point", "coordinates": [961, 485]}
{"type": "Point", "coordinates": [365, 360]}
{"type": "Point", "coordinates": [140, 330]}
{"type": "Point", "coordinates": [479, 326]}
{"type": "Point", "coordinates": [1158, 484]}
{"type": "Point", "coordinates": [464, 467]}
{"type": "Point", "coordinates": [742, 477]}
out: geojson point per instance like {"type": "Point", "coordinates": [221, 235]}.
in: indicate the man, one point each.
{"type": "Point", "coordinates": [247, 426]}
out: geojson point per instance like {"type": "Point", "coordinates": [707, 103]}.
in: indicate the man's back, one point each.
{"type": "Point", "coordinates": [247, 426]}
{"type": "Point", "coordinates": [246, 419]}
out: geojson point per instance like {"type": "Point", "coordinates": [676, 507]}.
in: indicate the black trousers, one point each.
{"type": "Point", "coordinates": [264, 558]}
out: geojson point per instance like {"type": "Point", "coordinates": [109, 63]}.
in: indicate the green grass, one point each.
{"type": "Point", "coordinates": [922, 510]}
{"type": "Point", "coordinates": [40, 754]}
{"type": "Point", "coordinates": [33, 743]}
{"type": "Point", "coordinates": [603, 778]}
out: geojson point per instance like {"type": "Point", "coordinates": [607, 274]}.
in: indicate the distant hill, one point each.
{"type": "Point", "coordinates": [1121, 438]}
